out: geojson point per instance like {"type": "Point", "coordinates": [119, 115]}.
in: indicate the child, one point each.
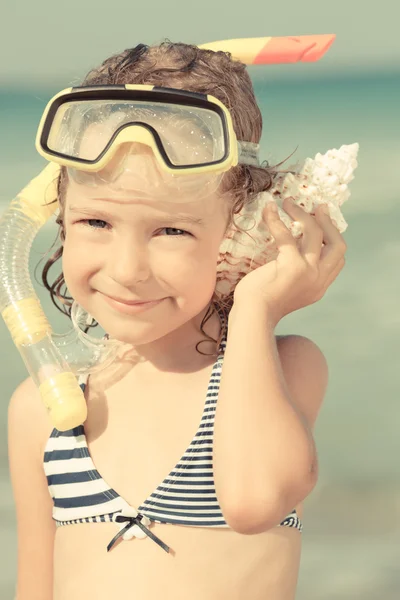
{"type": "Point", "coordinates": [226, 520]}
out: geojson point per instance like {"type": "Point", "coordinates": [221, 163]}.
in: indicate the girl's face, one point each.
{"type": "Point", "coordinates": [125, 246]}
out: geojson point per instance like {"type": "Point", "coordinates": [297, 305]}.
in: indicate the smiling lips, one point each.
{"type": "Point", "coordinates": [131, 302]}
{"type": "Point", "coordinates": [131, 307]}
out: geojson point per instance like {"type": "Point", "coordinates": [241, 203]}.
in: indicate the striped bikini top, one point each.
{"type": "Point", "coordinates": [187, 495]}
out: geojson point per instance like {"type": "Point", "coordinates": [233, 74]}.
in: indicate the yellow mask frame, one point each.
{"type": "Point", "coordinates": [234, 151]}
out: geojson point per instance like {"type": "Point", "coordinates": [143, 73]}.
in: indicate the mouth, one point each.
{"type": "Point", "coordinates": [130, 306]}
{"type": "Point", "coordinates": [133, 302]}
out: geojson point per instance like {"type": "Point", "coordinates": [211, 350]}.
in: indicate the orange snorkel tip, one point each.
{"type": "Point", "coordinates": [275, 50]}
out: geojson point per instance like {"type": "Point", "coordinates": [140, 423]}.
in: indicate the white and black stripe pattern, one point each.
{"type": "Point", "coordinates": [292, 520]}
{"type": "Point", "coordinates": [98, 519]}
{"type": "Point", "coordinates": [186, 497]}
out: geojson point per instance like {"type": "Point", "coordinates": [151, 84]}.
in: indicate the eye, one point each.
{"type": "Point", "coordinates": [100, 224]}
{"type": "Point", "coordinates": [173, 229]}
{"type": "Point", "coordinates": [92, 223]}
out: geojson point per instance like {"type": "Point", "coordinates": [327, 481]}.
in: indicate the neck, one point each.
{"type": "Point", "coordinates": [176, 351]}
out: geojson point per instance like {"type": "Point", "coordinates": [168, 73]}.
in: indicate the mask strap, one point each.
{"type": "Point", "coordinates": [248, 153]}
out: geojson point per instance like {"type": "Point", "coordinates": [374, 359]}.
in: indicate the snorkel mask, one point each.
{"type": "Point", "coordinates": [126, 115]}
{"type": "Point", "coordinates": [149, 141]}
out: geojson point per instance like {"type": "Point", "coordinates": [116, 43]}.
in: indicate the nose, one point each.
{"type": "Point", "coordinates": [129, 263]}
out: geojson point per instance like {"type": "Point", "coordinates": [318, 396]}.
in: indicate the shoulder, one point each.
{"type": "Point", "coordinates": [28, 426]}
{"type": "Point", "coordinates": [28, 420]}
{"type": "Point", "coordinates": [305, 370]}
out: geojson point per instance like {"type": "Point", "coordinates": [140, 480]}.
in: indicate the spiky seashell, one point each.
{"type": "Point", "coordinates": [323, 179]}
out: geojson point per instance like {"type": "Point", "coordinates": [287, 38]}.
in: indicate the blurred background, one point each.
{"type": "Point", "coordinates": [351, 539]}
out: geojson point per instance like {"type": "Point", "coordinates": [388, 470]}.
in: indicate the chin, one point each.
{"type": "Point", "coordinates": [134, 334]}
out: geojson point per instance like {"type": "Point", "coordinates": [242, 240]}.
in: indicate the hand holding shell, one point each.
{"type": "Point", "coordinates": [322, 180]}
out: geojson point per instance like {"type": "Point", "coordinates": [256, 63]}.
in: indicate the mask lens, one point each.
{"type": "Point", "coordinates": [189, 135]}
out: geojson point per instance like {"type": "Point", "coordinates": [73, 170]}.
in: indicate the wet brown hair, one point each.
{"type": "Point", "coordinates": [183, 66]}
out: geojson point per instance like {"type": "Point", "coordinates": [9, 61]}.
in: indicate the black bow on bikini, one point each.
{"type": "Point", "coordinates": [131, 522]}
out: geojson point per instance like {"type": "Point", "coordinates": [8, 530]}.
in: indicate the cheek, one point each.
{"type": "Point", "coordinates": [184, 264]}
{"type": "Point", "coordinates": [77, 266]}
{"type": "Point", "coordinates": [196, 274]}
{"type": "Point", "coordinates": [187, 272]}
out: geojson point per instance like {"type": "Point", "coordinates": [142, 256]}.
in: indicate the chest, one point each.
{"type": "Point", "coordinates": [137, 431]}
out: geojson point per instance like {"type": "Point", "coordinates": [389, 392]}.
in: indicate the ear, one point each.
{"type": "Point", "coordinates": [61, 227]}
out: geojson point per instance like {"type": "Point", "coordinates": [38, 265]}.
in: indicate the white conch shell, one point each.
{"type": "Point", "coordinates": [323, 179]}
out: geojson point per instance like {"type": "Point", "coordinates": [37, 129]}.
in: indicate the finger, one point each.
{"type": "Point", "coordinates": [331, 276]}
{"type": "Point", "coordinates": [335, 247]}
{"type": "Point", "coordinates": [335, 273]}
{"type": "Point", "coordinates": [331, 234]}
{"type": "Point", "coordinates": [312, 239]}
{"type": "Point", "coordinates": [282, 235]}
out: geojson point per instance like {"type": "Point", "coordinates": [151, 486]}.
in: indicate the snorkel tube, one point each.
{"type": "Point", "coordinates": [54, 360]}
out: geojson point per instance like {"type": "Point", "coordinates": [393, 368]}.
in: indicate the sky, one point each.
{"type": "Point", "coordinates": [46, 42]}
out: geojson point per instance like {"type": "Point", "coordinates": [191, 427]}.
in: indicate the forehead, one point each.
{"type": "Point", "coordinates": [138, 203]}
